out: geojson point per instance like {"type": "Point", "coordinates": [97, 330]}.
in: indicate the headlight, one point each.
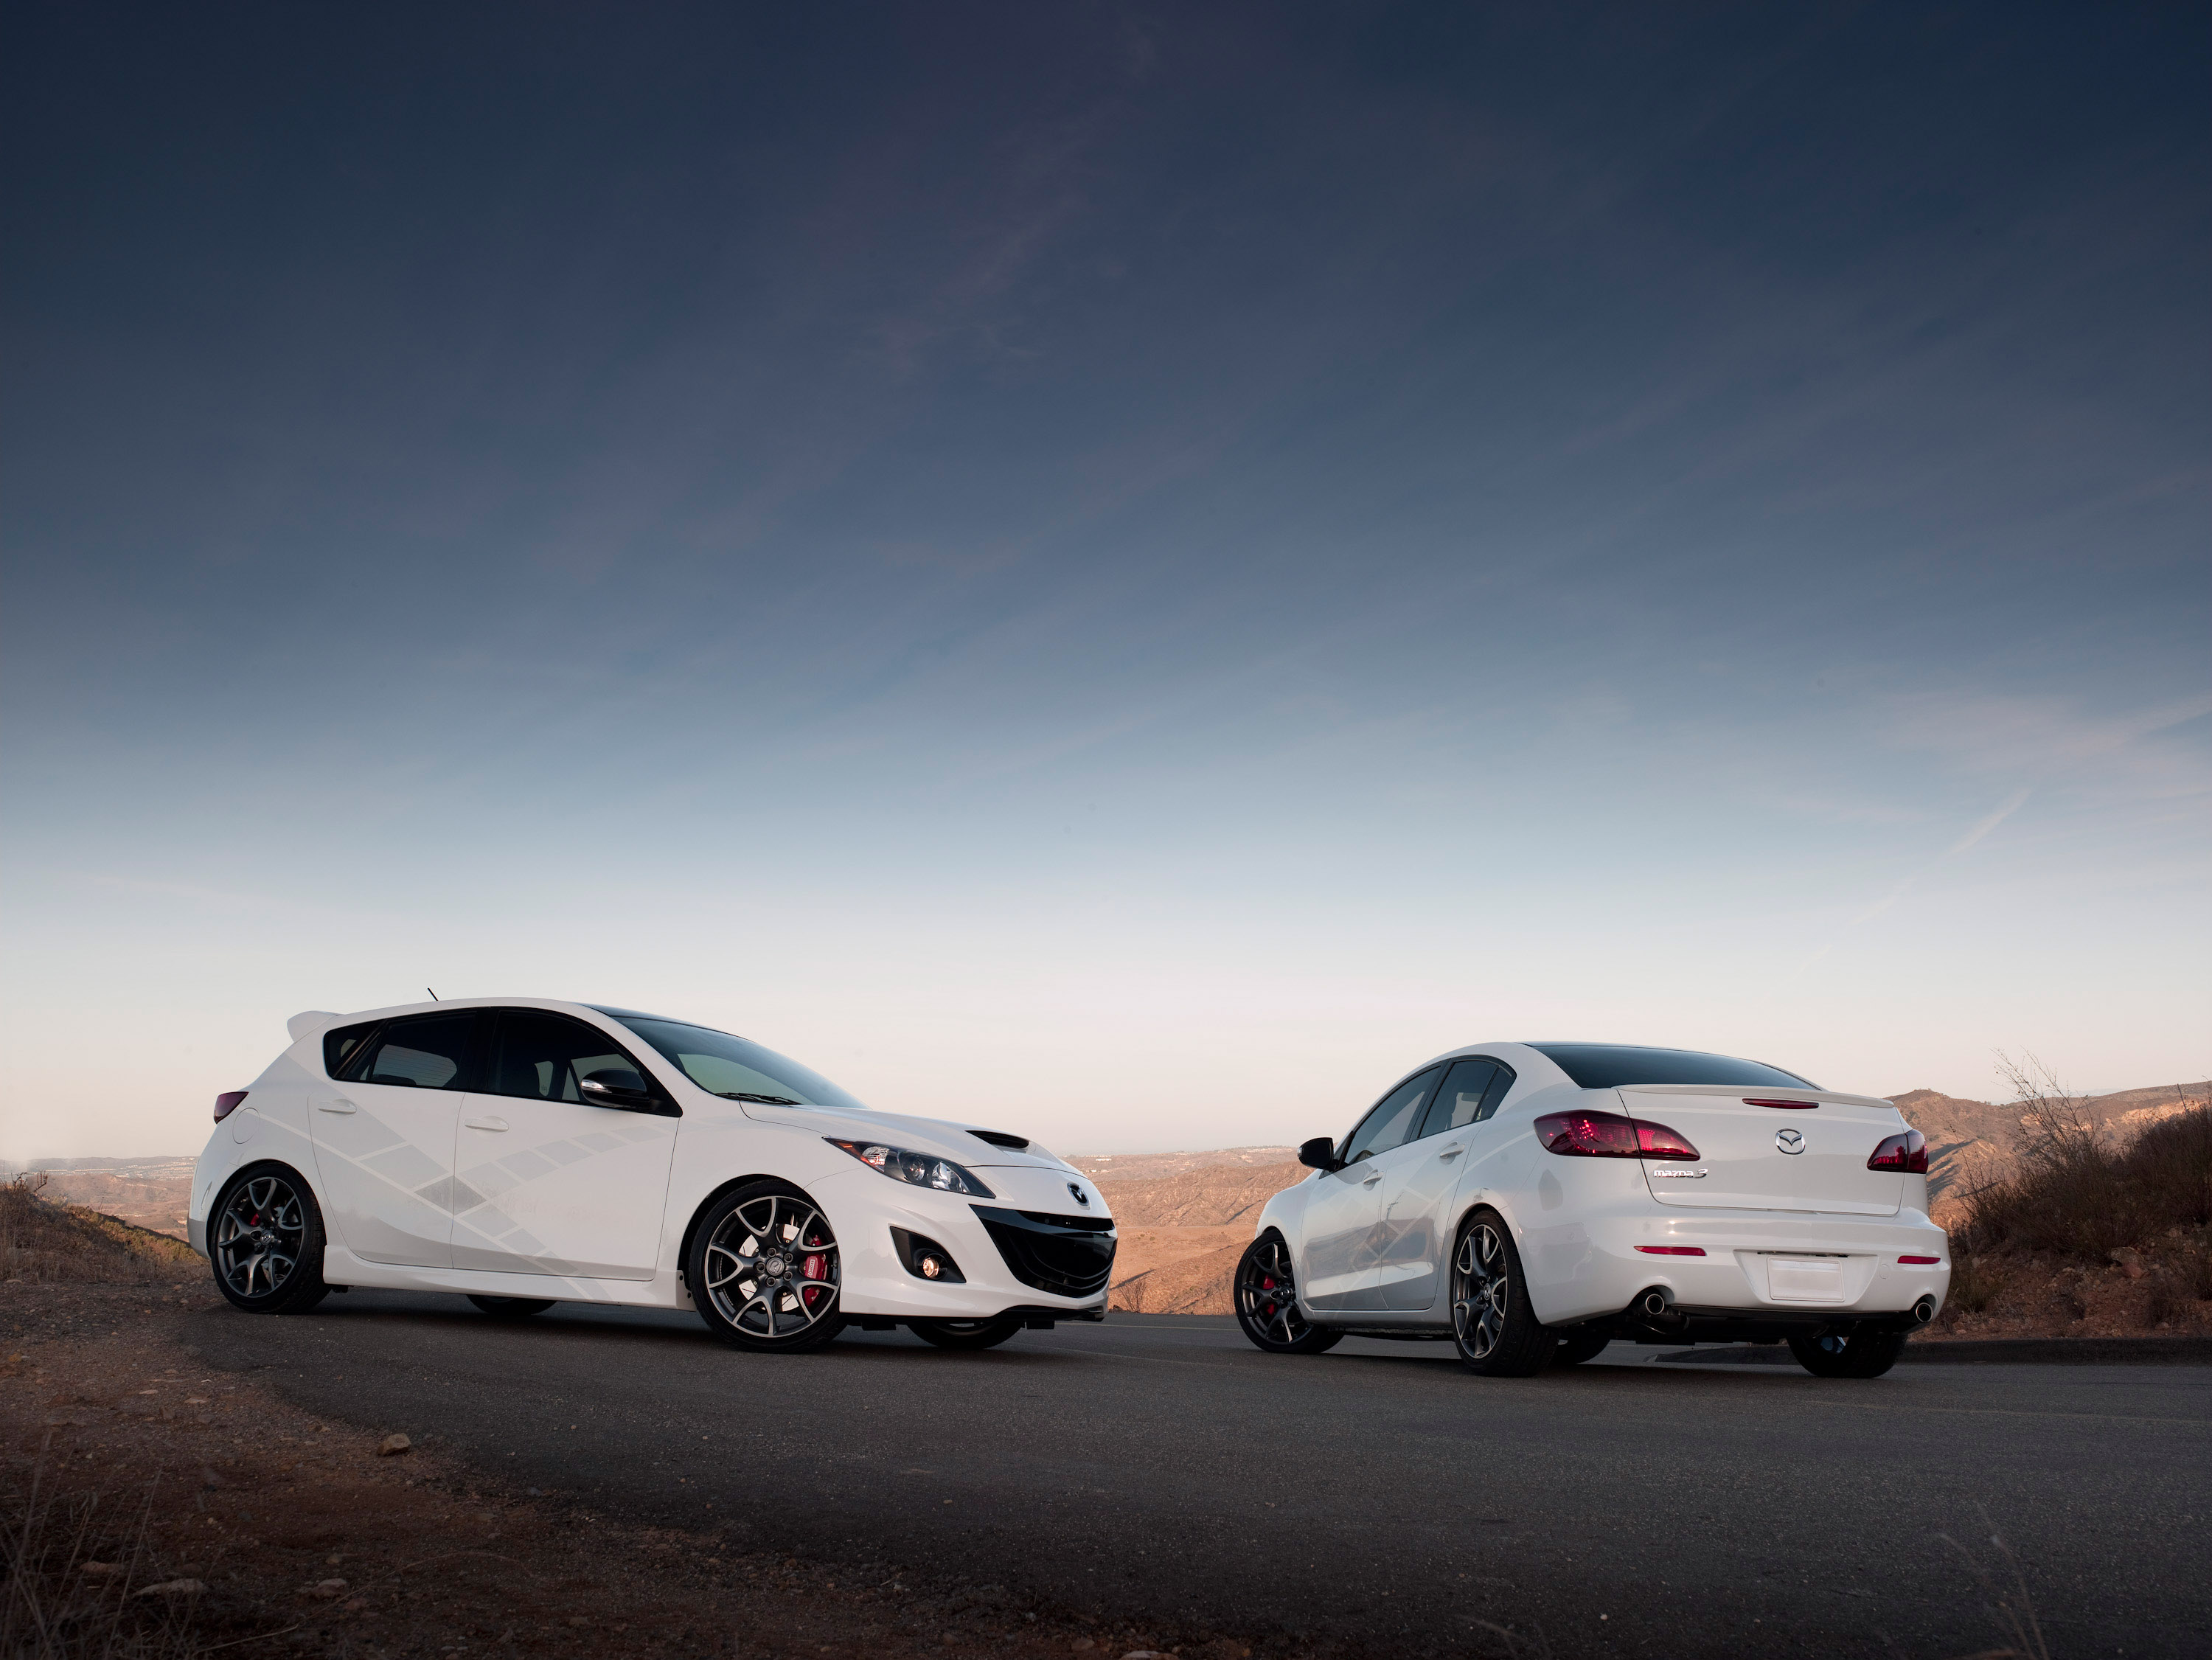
{"type": "Point", "coordinates": [923, 1170]}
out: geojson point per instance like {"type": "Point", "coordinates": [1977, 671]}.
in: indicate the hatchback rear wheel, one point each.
{"type": "Point", "coordinates": [512, 1308]}
{"type": "Point", "coordinates": [266, 1242]}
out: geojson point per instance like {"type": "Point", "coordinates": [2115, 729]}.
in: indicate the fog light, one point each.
{"type": "Point", "coordinates": [932, 1268]}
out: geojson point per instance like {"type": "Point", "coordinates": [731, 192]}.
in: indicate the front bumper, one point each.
{"type": "Point", "coordinates": [864, 1207]}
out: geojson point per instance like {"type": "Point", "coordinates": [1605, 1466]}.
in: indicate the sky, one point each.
{"type": "Point", "coordinates": [1122, 572]}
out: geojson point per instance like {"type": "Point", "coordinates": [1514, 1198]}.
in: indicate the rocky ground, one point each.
{"type": "Point", "coordinates": [152, 1508]}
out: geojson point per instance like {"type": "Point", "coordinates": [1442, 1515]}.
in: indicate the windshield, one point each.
{"type": "Point", "coordinates": [1609, 1066]}
{"type": "Point", "coordinates": [736, 1069]}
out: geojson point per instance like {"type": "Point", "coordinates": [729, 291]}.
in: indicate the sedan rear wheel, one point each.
{"type": "Point", "coordinates": [1267, 1302]}
{"type": "Point", "coordinates": [967, 1333]}
{"type": "Point", "coordinates": [1849, 1353]}
{"type": "Point", "coordinates": [1496, 1331]}
{"type": "Point", "coordinates": [1581, 1346]}
{"type": "Point", "coordinates": [265, 1240]}
{"type": "Point", "coordinates": [763, 1270]}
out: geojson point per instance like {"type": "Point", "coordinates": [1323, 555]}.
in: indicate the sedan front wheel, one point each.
{"type": "Point", "coordinates": [1267, 1302]}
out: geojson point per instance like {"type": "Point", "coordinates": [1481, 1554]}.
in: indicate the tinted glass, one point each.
{"type": "Point", "coordinates": [737, 1067]}
{"type": "Point", "coordinates": [1391, 1124]}
{"type": "Point", "coordinates": [428, 1052]}
{"type": "Point", "coordinates": [342, 1044]}
{"type": "Point", "coordinates": [1468, 1088]}
{"type": "Point", "coordinates": [1609, 1066]}
{"type": "Point", "coordinates": [546, 1056]}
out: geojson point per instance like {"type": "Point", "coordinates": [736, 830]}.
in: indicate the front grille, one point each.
{"type": "Point", "coordinates": [1078, 1224]}
{"type": "Point", "coordinates": [1067, 1256]}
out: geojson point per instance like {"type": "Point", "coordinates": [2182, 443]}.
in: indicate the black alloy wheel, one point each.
{"type": "Point", "coordinates": [1579, 1346]}
{"type": "Point", "coordinates": [763, 1270]}
{"type": "Point", "coordinates": [511, 1307]}
{"type": "Point", "coordinates": [967, 1333]}
{"type": "Point", "coordinates": [1495, 1330]}
{"type": "Point", "coordinates": [266, 1242]}
{"type": "Point", "coordinates": [1849, 1353]}
{"type": "Point", "coordinates": [1267, 1299]}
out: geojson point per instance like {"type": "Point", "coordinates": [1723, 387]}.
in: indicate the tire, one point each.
{"type": "Point", "coordinates": [1582, 1346]}
{"type": "Point", "coordinates": [1849, 1353]}
{"type": "Point", "coordinates": [967, 1333]}
{"type": "Point", "coordinates": [512, 1308]}
{"type": "Point", "coordinates": [1494, 1329]}
{"type": "Point", "coordinates": [1266, 1295]}
{"type": "Point", "coordinates": [266, 1242]}
{"type": "Point", "coordinates": [763, 1270]}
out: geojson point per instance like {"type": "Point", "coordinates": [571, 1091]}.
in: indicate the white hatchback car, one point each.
{"type": "Point", "coordinates": [522, 1153]}
{"type": "Point", "coordinates": [1534, 1202]}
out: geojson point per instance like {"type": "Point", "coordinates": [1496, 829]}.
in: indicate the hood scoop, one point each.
{"type": "Point", "coordinates": [1000, 1139]}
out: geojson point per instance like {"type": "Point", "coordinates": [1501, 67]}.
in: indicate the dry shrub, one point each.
{"type": "Point", "coordinates": [55, 1243]}
{"type": "Point", "coordinates": [2075, 1192]}
{"type": "Point", "coordinates": [1976, 1283]}
{"type": "Point", "coordinates": [78, 1571]}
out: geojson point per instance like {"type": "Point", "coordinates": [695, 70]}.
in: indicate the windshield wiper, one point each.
{"type": "Point", "coordinates": [765, 1100]}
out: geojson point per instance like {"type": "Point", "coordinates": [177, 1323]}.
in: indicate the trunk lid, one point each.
{"type": "Point", "coordinates": [1744, 1148]}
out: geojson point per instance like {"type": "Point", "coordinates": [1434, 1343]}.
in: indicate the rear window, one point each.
{"type": "Point", "coordinates": [1611, 1065]}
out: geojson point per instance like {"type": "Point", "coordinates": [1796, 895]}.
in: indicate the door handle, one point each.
{"type": "Point", "coordinates": [334, 1106]}
{"type": "Point", "coordinates": [1451, 1153]}
{"type": "Point", "coordinates": [1370, 1181]}
{"type": "Point", "coordinates": [485, 1123]}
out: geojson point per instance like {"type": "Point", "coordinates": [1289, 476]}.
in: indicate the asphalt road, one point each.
{"type": "Point", "coordinates": [1163, 1467]}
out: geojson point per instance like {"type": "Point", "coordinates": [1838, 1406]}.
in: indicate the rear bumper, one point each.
{"type": "Point", "coordinates": [1788, 1269]}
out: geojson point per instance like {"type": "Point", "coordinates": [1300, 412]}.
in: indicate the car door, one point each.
{"type": "Point", "coordinates": [547, 1181]}
{"type": "Point", "coordinates": [1422, 1179]}
{"type": "Point", "coordinates": [383, 1130]}
{"type": "Point", "coordinates": [1338, 1265]}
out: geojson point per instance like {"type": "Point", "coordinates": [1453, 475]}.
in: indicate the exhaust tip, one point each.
{"type": "Point", "coordinates": [1924, 1310]}
{"type": "Point", "coordinates": [1654, 1303]}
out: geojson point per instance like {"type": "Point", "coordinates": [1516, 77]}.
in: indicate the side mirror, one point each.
{"type": "Point", "coordinates": [1320, 1153]}
{"type": "Point", "coordinates": [615, 1087]}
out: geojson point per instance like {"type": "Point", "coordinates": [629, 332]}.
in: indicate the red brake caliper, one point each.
{"type": "Point", "coordinates": [811, 1268]}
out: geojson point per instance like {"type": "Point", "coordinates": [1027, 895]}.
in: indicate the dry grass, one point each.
{"type": "Point", "coordinates": [2078, 1193]}
{"type": "Point", "coordinates": [50, 1243]}
{"type": "Point", "coordinates": [81, 1578]}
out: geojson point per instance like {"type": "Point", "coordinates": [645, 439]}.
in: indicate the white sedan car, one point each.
{"type": "Point", "coordinates": [523, 1152]}
{"type": "Point", "coordinates": [1534, 1202]}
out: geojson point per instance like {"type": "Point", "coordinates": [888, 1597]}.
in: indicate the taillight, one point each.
{"type": "Point", "coordinates": [1672, 1250]}
{"type": "Point", "coordinates": [1609, 1135]}
{"type": "Point", "coordinates": [227, 1104]}
{"type": "Point", "coordinates": [1907, 1152]}
{"type": "Point", "coordinates": [1795, 1106]}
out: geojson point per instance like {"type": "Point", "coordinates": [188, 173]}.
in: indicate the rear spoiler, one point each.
{"type": "Point", "coordinates": [1760, 1092]}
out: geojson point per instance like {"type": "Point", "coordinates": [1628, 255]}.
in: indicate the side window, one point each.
{"type": "Point", "coordinates": [1391, 1124]}
{"type": "Point", "coordinates": [543, 1057]}
{"type": "Point", "coordinates": [1459, 1102]}
{"type": "Point", "coordinates": [426, 1052]}
{"type": "Point", "coordinates": [1496, 1093]}
{"type": "Point", "coordinates": [342, 1045]}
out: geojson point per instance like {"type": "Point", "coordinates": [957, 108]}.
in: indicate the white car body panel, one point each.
{"type": "Point", "coordinates": [1782, 1234]}
{"type": "Point", "coordinates": [577, 1203]}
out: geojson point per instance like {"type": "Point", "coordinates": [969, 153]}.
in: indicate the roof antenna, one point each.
{"type": "Point", "coordinates": [434, 996]}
